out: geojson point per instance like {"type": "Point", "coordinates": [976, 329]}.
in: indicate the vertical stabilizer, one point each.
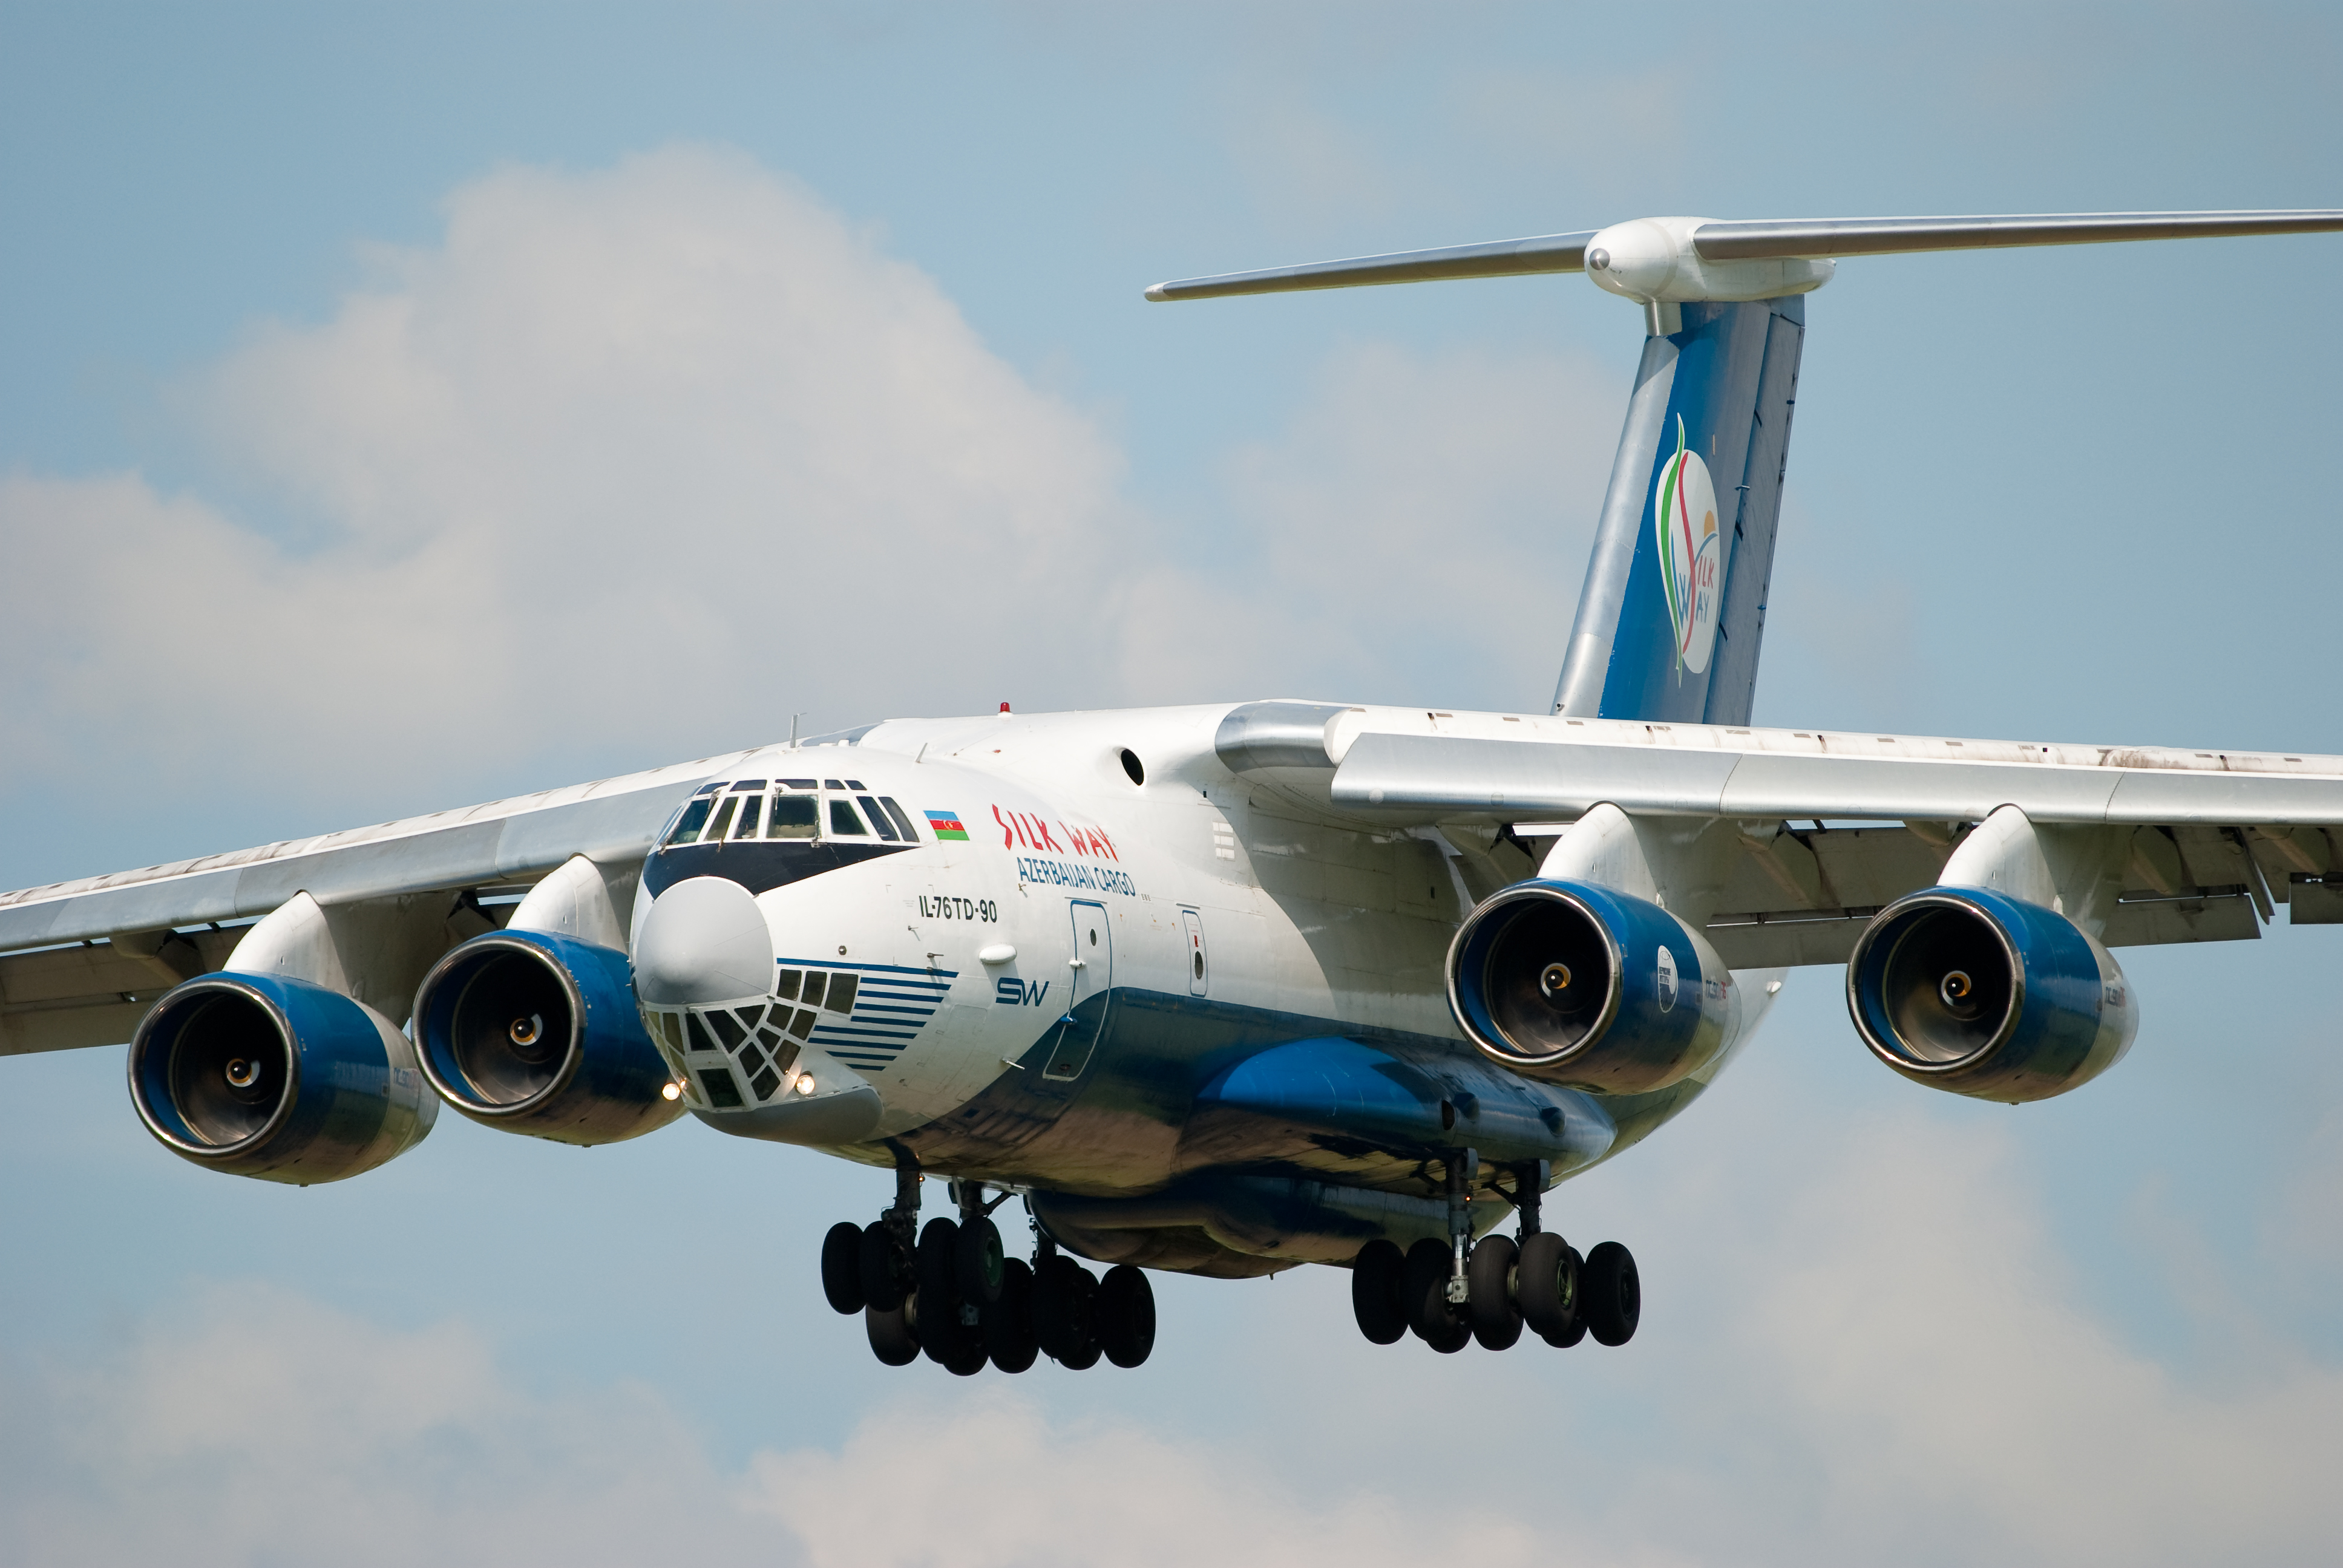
{"type": "Point", "coordinates": [1674, 606]}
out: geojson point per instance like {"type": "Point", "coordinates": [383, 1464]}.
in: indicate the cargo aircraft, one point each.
{"type": "Point", "coordinates": [1231, 987]}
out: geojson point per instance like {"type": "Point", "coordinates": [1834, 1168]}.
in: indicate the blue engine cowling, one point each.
{"type": "Point", "coordinates": [535, 1032]}
{"type": "Point", "coordinates": [1579, 984]}
{"type": "Point", "coordinates": [1983, 994]}
{"type": "Point", "coordinates": [258, 1075]}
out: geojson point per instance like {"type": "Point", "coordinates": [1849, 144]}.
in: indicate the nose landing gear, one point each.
{"type": "Point", "coordinates": [949, 1291]}
{"type": "Point", "coordinates": [1447, 1294]}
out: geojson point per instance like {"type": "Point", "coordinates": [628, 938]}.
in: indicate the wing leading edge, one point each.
{"type": "Point", "coordinates": [105, 948]}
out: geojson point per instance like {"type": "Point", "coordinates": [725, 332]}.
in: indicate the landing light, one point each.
{"type": "Point", "coordinates": [670, 1091]}
{"type": "Point", "coordinates": [804, 1084]}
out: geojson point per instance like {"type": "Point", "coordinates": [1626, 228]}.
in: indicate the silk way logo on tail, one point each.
{"type": "Point", "coordinates": [1692, 553]}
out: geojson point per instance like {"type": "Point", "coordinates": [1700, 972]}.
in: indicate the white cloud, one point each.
{"type": "Point", "coordinates": [255, 1426]}
{"type": "Point", "coordinates": [1417, 532]}
{"type": "Point", "coordinates": [669, 447]}
{"type": "Point", "coordinates": [671, 450]}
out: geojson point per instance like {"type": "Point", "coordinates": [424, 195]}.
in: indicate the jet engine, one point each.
{"type": "Point", "coordinates": [262, 1075]}
{"type": "Point", "coordinates": [537, 1032]}
{"type": "Point", "coordinates": [1972, 991]}
{"type": "Point", "coordinates": [1581, 985]}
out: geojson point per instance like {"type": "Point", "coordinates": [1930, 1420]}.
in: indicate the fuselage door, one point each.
{"type": "Point", "coordinates": [1089, 973]}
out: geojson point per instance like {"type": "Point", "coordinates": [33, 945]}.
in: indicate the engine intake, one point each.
{"type": "Point", "coordinates": [536, 1032]}
{"type": "Point", "coordinates": [1973, 991]}
{"type": "Point", "coordinates": [1581, 985]}
{"type": "Point", "coordinates": [258, 1075]}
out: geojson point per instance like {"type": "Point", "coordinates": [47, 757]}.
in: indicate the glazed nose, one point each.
{"type": "Point", "coordinates": [704, 940]}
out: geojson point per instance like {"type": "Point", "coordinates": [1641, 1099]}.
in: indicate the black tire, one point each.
{"type": "Point", "coordinates": [978, 1261]}
{"type": "Point", "coordinates": [1489, 1272]}
{"type": "Point", "coordinates": [971, 1357]}
{"type": "Point", "coordinates": [1064, 1298]}
{"type": "Point", "coordinates": [944, 1337]}
{"type": "Point", "coordinates": [842, 1268]}
{"type": "Point", "coordinates": [1126, 1315]}
{"type": "Point", "coordinates": [1374, 1292]}
{"type": "Point", "coordinates": [893, 1340]}
{"type": "Point", "coordinates": [936, 1265]}
{"type": "Point", "coordinates": [883, 1282]}
{"type": "Point", "coordinates": [1009, 1335]}
{"type": "Point", "coordinates": [1564, 1340]}
{"type": "Point", "coordinates": [1614, 1294]}
{"type": "Point", "coordinates": [1424, 1292]}
{"type": "Point", "coordinates": [1546, 1286]}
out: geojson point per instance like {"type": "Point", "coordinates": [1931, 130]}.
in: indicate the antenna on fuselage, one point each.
{"type": "Point", "coordinates": [1674, 605]}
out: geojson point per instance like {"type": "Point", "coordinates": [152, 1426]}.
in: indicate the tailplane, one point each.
{"type": "Point", "coordinates": [1673, 605]}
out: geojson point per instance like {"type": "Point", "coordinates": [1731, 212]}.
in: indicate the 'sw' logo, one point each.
{"type": "Point", "coordinates": [1008, 993]}
{"type": "Point", "coordinates": [1692, 553]}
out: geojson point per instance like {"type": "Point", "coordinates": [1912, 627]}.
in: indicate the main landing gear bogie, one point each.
{"type": "Point", "coordinates": [950, 1292]}
{"type": "Point", "coordinates": [1493, 1290]}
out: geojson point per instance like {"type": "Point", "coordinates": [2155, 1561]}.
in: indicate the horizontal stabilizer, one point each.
{"type": "Point", "coordinates": [1500, 258]}
{"type": "Point", "coordinates": [1767, 239]}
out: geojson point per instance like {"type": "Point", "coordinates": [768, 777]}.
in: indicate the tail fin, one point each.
{"type": "Point", "coordinates": [1674, 606]}
{"type": "Point", "coordinates": [1675, 602]}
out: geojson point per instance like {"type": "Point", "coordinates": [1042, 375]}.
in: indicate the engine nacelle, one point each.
{"type": "Point", "coordinates": [259, 1075]}
{"type": "Point", "coordinates": [1581, 985]}
{"type": "Point", "coordinates": [536, 1032]}
{"type": "Point", "coordinates": [1983, 994]}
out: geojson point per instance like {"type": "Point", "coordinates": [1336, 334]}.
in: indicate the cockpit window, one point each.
{"type": "Point", "coordinates": [793, 818]}
{"type": "Point", "coordinates": [694, 818]}
{"type": "Point", "coordinates": [902, 819]}
{"type": "Point", "coordinates": [844, 823]}
{"type": "Point", "coordinates": [723, 819]}
{"type": "Point", "coordinates": [750, 809]}
{"type": "Point", "coordinates": [878, 818]}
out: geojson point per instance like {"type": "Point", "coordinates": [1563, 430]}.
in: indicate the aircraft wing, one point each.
{"type": "Point", "coordinates": [2220, 839]}
{"type": "Point", "coordinates": [81, 961]}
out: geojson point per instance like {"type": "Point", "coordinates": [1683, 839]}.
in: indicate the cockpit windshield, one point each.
{"type": "Point", "coordinates": [793, 818]}
{"type": "Point", "coordinates": [793, 809]}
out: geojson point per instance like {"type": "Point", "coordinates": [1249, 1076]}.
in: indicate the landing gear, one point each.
{"type": "Point", "coordinates": [1614, 1295]}
{"type": "Point", "coordinates": [1374, 1292]}
{"type": "Point", "coordinates": [842, 1267]}
{"type": "Point", "coordinates": [947, 1290]}
{"type": "Point", "coordinates": [1447, 1294]}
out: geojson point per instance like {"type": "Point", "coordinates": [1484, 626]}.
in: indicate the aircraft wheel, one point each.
{"type": "Point", "coordinates": [1489, 1270]}
{"type": "Point", "coordinates": [976, 1262]}
{"type": "Point", "coordinates": [1546, 1284]}
{"type": "Point", "coordinates": [883, 1288]}
{"type": "Point", "coordinates": [1423, 1291]}
{"type": "Point", "coordinates": [1126, 1315]}
{"type": "Point", "coordinates": [1374, 1292]}
{"type": "Point", "coordinates": [1614, 1294]}
{"type": "Point", "coordinates": [842, 1268]}
{"type": "Point", "coordinates": [1064, 1296]}
{"type": "Point", "coordinates": [1008, 1336]}
{"type": "Point", "coordinates": [893, 1340]}
{"type": "Point", "coordinates": [945, 1339]}
{"type": "Point", "coordinates": [937, 1263]}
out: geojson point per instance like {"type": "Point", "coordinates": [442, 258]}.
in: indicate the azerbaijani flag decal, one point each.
{"type": "Point", "coordinates": [946, 825]}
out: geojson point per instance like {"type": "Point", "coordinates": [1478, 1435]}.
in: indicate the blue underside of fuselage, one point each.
{"type": "Point", "coordinates": [1182, 1096]}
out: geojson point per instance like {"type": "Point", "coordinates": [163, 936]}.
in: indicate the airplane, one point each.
{"type": "Point", "coordinates": [1165, 974]}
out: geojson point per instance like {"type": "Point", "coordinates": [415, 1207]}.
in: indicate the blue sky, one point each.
{"type": "Point", "coordinates": [401, 407]}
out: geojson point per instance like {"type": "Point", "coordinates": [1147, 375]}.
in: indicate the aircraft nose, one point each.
{"type": "Point", "coordinates": [704, 940]}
